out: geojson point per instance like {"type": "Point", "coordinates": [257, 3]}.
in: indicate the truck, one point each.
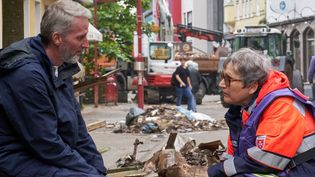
{"type": "Point", "coordinates": [158, 55]}
{"type": "Point", "coordinates": [271, 42]}
{"type": "Point", "coordinates": [161, 60]}
{"type": "Point", "coordinates": [208, 63]}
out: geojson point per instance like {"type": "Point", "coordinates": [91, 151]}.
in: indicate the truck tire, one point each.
{"type": "Point", "coordinates": [122, 96]}
{"type": "Point", "coordinates": [297, 81]}
{"type": "Point", "coordinates": [151, 96]}
{"type": "Point", "coordinates": [122, 88]}
{"type": "Point", "coordinates": [201, 93]}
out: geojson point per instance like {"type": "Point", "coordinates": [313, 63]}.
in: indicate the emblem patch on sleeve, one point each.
{"type": "Point", "coordinates": [260, 141]}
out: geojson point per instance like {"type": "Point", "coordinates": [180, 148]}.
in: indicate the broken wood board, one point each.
{"type": "Point", "coordinates": [126, 172]}
{"type": "Point", "coordinates": [96, 125]}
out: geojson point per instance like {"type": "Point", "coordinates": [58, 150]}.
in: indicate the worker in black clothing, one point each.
{"type": "Point", "coordinates": [183, 86]}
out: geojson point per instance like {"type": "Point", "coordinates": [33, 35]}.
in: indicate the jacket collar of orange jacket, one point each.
{"type": "Point", "coordinates": [276, 80]}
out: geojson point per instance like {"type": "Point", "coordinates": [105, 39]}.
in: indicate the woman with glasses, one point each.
{"type": "Point", "coordinates": [272, 128]}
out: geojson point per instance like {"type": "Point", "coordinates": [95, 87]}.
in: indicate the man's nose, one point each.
{"type": "Point", "coordinates": [85, 43]}
{"type": "Point", "coordinates": [222, 84]}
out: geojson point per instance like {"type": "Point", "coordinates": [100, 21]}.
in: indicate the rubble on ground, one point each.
{"type": "Point", "coordinates": [182, 158]}
{"type": "Point", "coordinates": [166, 118]}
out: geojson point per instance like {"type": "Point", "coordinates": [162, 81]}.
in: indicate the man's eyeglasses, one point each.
{"type": "Point", "coordinates": [227, 79]}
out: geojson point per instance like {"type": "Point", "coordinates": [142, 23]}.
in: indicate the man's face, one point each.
{"type": "Point", "coordinates": [74, 41]}
{"type": "Point", "coordinates": [233, 88]}
{"type": "Point", "coordinates": [182, 62]}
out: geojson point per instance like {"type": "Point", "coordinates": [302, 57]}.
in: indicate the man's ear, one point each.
{"type": "Point", "coordinates": [56, 38]}
{"type": "Point", "coordinates": [253, 87]}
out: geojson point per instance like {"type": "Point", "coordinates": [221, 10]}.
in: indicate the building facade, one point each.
{"type": "Point", "coordinates": [20, 19]}
{"type": "Point", "coordinates": [296, 20]}
{"type": "Point", "coordinates": [203, 14]}
{"type": "Point", "coordinates": [241, 13]}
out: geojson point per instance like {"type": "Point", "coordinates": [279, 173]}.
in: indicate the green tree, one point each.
{"type": "Point", "coordinates": [117, 22]}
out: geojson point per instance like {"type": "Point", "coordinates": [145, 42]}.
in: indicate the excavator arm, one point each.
{"type": "Point", "coordinates": [165, 21]}
{"type": "Point", "coordinates": [188, 31]}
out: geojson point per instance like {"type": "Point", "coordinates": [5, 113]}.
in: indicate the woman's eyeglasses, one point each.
{"type": "Point", "coordinates": [227, 79]}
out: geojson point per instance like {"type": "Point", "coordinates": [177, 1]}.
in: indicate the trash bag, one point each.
{"type": "Point", "coordinates": [133, 114]}
{"type": "Point", "coordinates": [149, 128]}
{"type": "Point", "coordinates": [184, 111]}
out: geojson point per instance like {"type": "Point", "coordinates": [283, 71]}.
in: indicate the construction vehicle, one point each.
{"type": "Point", "coordinates": [272, 43]}
{"type": "Point", "coordinates": [158, 55]}
{"type": "Point", "coordinates": [208, 64]}
{"type": "Point", "coordinates": [161, 59]}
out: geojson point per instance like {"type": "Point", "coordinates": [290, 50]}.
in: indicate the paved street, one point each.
{"type": "Point", "coordinates": [119, 145]}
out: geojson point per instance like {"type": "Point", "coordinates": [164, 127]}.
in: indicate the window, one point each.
{"type": "Point", "coordinates": [246, 9]}
{"type": "Point", "coordinates": [257, 8]}
{"type": "Point", "coordinates": [160, 51]}
{"type": "Point", "coordinates": [295, 48]}
{"type": "Point", "coordinates": [238, 11]}
{"type": "Point", "coordinates": [37, 17]}
{"type": "Point", "coordinates": [26, 18]}
{"type": "Point", "coordinates": [243, 9]}
{"type": "Point", "coordinates": [309, 48]}
{"type": "Point", "coordinates": [189, 18]}
{"type": "Point", "coordinates": [250, 8]}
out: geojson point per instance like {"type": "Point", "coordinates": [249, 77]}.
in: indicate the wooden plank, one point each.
{"type": "Point", "coordinates": [89, 83]}
{"type": "Point", "coordinates": [171, 140]}
{"type": "Point", "coordinates": [96, 125]}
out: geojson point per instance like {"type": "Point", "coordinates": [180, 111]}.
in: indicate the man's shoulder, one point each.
{"type": "Point", "coordinates": [27, 72]}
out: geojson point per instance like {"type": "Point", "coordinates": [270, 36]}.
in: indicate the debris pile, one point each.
{"type": "Point", "coordinates": [189, 161]}
{"type": "Point", "coordinates": [166, 118]}
{"type": "Point", "coordinates": [180, 157]}
{"type": "Point", "coordinates": [130, 160]}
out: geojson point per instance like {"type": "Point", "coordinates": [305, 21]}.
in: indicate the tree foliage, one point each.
{"type": "Point", "coordinates": [117, 22]}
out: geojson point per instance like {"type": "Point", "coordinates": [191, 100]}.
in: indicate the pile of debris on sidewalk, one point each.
{"type": "Point", "coordinates": [166, 118]}
{"type": "Point", "coordinates": [180, 157]}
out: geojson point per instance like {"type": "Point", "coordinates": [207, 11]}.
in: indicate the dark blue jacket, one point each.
{"type": "Point", "coordinates": [42, 132]}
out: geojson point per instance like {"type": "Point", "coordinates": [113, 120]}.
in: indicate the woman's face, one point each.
{"type": "Point", "coordinates": [233, 89]}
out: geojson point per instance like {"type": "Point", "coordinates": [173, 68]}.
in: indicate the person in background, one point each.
{"type": "Point", "coordinates": [41, 127]}
{"type": "Point", "coordinates": [195, 78]}
{"type": "Point", "coordinates": [311, 72]}
{"type": "Point", "coordinates": [183, 86]}
{"type": "Point", "coordinates": [271, 126]}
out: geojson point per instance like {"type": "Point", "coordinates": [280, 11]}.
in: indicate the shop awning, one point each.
{"type": "Point", "coordinates": [93, 34]}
